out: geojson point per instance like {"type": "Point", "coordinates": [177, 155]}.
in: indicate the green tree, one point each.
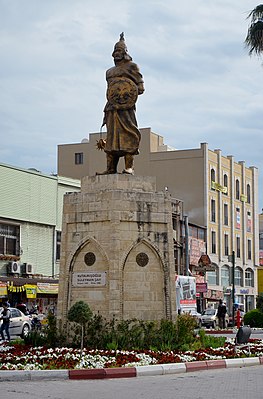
{"type": "Point", "coordinates": [254, 39]}
{"type": "Point", "coordinates": [80, 313]}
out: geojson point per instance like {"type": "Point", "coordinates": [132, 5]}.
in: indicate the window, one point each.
{"type": "Point", "coordinates": [249, 278]}
{"type": "Point", "coordinates": [212, 277]}
{"type": "Point", "coordinates": [260, 240]}
{"type": "Point", "coordinates": [248, 194]}
{"type": "Point", "coordinates": [225, 214]}
{"type": "Point", "coordinates": [213, 210]}
{"type": "Point", "coordinates": [225, 276]}
{"type": "Point", "coordinates": [9, 239]}
{"type": "Point", "coordinates": [226, 244]}
{"type": "Point", "coordinates": [58, 244]}
{"type": "Point", "coordinates": [238, 218]}
{"type": "Point", "coordinates": [238, 247]}
{"type": "Point", "coordinates": [249, 251]}
{"type": "Point", "coordinates": [78, 158]}
{"type": "Point", "coordinates": [213, 242]}
{"type": "Point", "coordinates": [212, 177]}
{"type": "Point", "coordinates": [225, 178]}
{"type": "Point", "coordinates": [237, 189]}
{"type": "Point", "coordinates": [238, 277]}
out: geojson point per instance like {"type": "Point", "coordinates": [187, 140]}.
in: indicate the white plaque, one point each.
{"type": "Point", "coordinates": [89, 279]}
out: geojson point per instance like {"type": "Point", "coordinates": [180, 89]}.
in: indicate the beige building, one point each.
{"type": "Point", "coordinates": [218, 193]}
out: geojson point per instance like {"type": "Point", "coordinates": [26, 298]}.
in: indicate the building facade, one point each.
{"type": "Point", "coordinates": [30, 230]}
{"type": "Point", "coordinates": [218, 193]}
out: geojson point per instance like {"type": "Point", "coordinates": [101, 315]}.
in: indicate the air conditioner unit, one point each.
{"type": "Point", "coordinates": [14, 268]}
{"type": "Point", "coordinates": [28, 268]}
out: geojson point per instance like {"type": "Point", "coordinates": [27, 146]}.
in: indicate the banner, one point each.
{"type": "Point", "coordinates": [3, 289]}
{"type": "Point", "coordinates": [47, 288]}
{"type": "Point", "coordinates": [31, 291]}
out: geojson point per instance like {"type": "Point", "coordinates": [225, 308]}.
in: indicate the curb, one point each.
{"type": "Point", "coordinates": [128, 372]}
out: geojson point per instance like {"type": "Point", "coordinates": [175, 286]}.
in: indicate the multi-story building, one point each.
{"type": "Point", "coordinates": [260, 269]}
{"type": "Point", "coordinates": [218, 193]}
{"type": "Point", "coordinates": [30, 229]}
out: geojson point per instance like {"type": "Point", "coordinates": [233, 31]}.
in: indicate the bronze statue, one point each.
{"type": "Point", "coordinates": [125, 83]}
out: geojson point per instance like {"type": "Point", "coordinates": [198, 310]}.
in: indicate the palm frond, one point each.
{"type": "Point", "coordinates": [256, 13]}
{"type": "Point", "coordinates": [254, 39]}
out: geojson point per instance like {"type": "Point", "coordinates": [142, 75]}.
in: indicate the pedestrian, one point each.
{"type": "Point", "coordinates": [5, 317]}
{"type": "Point", "coordinates": [238, 318]}
{"type": "Point", "coordinates": [221, 314]}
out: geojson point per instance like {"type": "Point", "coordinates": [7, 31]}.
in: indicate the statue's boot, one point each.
{"type": "Point", "coordinates": [128, 158]}
{"type": "Point", "coordinates": [112, 162]}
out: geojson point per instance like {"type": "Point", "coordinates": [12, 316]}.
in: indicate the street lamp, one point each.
{"type": "Point", "coordinates": [231, 258]}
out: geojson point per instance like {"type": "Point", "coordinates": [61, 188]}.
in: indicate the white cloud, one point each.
{"type": "Point", "coordinates": [201, 85]}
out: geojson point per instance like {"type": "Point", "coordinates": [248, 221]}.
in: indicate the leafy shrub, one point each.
{"type": "Point", "coordinates": [254, 318]}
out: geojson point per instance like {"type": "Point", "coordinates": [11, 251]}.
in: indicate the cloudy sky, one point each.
{"type": "Point", "coordinates": [201, 85]}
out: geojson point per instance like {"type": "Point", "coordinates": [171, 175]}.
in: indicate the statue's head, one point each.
{"type": "Point", "coordinates": [120, 51]}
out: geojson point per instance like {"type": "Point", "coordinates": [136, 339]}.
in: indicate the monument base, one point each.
{"type": "Point", "coordinates": [117, 249]}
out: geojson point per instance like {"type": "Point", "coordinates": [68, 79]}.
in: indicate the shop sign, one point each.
{"type": "Point", "coordinates": [3, 289]}
{"type": "Point", "coordinates": [201, 287]}
{"type": "Point", "coordinates": [47, 288]}
{"type": "Point", "coordinates": [89, 279]}
{"type": "Point", "coordinates": [31, 290]}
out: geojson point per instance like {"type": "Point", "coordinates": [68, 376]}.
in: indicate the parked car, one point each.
{"type": "Point", "coordinates": [20, 324]}
{"type": "Point", "coordinates": [197, 316]}
{"type": "Point", "coordinates": [209, 318]}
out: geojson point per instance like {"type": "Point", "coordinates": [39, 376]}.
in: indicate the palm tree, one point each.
{"type": "Point", "coordinates": [254, 39]}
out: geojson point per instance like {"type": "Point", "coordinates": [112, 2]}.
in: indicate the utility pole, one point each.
{"type": "Point", "coordinates": [231, 258]}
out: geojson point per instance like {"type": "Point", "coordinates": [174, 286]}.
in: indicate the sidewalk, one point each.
{"type": "Point", "coordinates": [127, 372]}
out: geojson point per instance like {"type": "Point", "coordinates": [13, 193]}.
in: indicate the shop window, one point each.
{"type": "Point", "coordinates": [225, 276]}
{"type": "Point", "coordinates": [249, 278]}
{"type": "Point", "coordinates": [238, 277]}
{"type": "Point", "coordinates": [213, 277]}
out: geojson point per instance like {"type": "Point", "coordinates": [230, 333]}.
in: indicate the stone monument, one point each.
{"type": "Point", "coordinates": [117, 236]}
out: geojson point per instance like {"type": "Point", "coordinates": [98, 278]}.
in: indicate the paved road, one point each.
{"type": "Point", "coordinates": [236, 383]}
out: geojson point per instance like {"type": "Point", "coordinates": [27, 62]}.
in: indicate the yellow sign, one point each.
{"type": "Point", "coordinates": [31, 290]}
{"type": "Point", "coordinates": [3, 289]}
{"type": "Point", "coordinates": [218, 187]}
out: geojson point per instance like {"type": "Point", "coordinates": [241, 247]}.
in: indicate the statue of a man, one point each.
{"type": "Point", "coordinates": [125, 83]}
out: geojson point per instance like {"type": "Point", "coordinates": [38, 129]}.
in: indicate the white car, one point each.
{"type": "Point", "coordinates": [209, 318]}
{"type": "Point", "coordinates": [20, 324]}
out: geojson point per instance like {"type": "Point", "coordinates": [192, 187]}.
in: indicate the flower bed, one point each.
{"type": "Point", "coordinates": [21, 357]}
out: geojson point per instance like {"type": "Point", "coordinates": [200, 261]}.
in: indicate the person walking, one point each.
{"type": "Point", "coordinates": [5, 317]}
{"type": "Point", "coordinates": [221, 314]}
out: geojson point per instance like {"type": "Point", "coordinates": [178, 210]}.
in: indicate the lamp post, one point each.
{"type": "Point", "coordinates": [231, 258]}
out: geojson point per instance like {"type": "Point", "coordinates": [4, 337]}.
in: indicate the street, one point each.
{"type": "Point", "coordinates": [234, 383]}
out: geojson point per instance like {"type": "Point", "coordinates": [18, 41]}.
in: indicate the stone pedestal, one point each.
{"type": "Point", "coordinates": [117, 249]}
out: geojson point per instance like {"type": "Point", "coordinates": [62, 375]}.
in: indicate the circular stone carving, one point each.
{"type": "Point", "coordinates": [122, 93]}
{"type": "Point", "coordinates": [90, 258]}
{"type": "Point", "coordinates": [142, 259]}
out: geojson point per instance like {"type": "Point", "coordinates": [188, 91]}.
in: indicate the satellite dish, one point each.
{"type": "Point", "coordinates": [84, 140]}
